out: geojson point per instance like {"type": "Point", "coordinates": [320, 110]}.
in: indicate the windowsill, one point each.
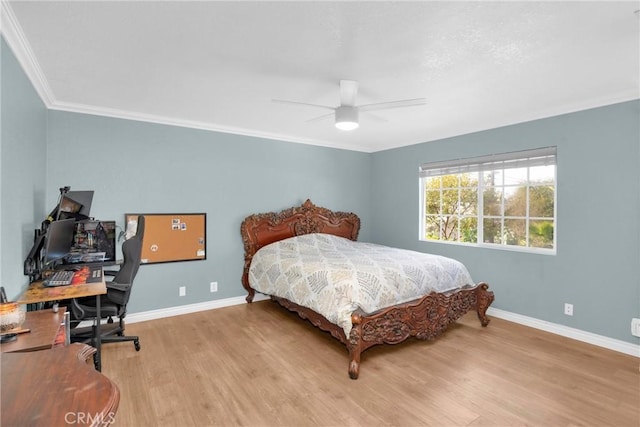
{"type": "Point", "coordinates": [535, 251]}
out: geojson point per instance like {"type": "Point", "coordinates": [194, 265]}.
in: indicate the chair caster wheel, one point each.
{"type": "Point", "coordinates": [137, 345]}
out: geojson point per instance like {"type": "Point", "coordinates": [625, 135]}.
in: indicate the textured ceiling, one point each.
{"type": "Point", "coordinates": [218, 65]}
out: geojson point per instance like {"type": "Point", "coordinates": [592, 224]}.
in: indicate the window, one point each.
{"type": "Point", "coordinates": [504, 200]}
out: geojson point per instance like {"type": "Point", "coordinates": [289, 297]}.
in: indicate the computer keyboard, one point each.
{"type": "Point", "coordinates": [59, 278]}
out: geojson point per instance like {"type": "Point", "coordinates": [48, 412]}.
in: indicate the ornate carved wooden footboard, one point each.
{"type": "Point", "coordinates": [424, 318]}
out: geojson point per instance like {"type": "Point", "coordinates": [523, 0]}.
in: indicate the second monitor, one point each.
{"type": "Point", "coordinates": [94, 241]}
{"type": "Point", "coordinates": [58, 241]}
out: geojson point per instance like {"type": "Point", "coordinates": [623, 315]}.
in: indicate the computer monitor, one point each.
{"type": "Point", "coordinates": [94, 241]}
{"type": "Point", "coordinates": [58, 241]}
{"type": "Point", "coordinates": [75, 204]}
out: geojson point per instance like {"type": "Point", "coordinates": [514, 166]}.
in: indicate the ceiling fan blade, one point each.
{"type": "Point", "coordinates": [393, 104]}
{"type": "Point", "coordinates": [348, 92]}
{"type": "Point", "coordinates": [375, 117]}
{"type": "Point", "coordinates": [320, 118]}
{"type": "Point", "coordinates": [282, 101]}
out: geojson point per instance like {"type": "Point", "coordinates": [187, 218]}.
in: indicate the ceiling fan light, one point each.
{"type": "Point", "coordinates": [347, 125]}
{"type": "Point", "coordinates": [346, 118]}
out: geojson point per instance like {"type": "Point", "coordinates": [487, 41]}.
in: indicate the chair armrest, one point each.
{"type": "Point", "coordinates": [122, 287]}
{"type": "Point", "coordinates": [118, 293]}
{"type": "Point", "coordinates": [77, 309]}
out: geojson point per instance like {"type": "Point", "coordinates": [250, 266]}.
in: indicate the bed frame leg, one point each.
{"type": "Point", "coordinates": [354, 369]}
{"type": "Point", "coordinates": [354, 362]}
{"type": "Point", "coordinates": [484, 298]}
{"type": "Point", "coordinates": [355, 346]}
{"type": "Point", "coordinates": [249, 297]}
{"type": "Point", "coordinates": [245, 280]}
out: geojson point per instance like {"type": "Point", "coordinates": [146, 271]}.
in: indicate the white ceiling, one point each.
{"type": "Point", "coordinates": [217, 65]}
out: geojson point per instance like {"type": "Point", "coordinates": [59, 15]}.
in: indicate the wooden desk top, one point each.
{"type": "Point", "coordinates": [56, 388]}
{"type": "Point", "coordinates": [37, 292]}
{"type": "Point", "coordinates": [43, 328]}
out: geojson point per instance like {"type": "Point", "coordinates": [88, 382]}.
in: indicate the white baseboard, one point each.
{"type": "Point", "coordinates": [566, 331]}
{"type": "Point", "coordinates": [554, 328]}
{"type": "Point", "coordinates": [190, 308]}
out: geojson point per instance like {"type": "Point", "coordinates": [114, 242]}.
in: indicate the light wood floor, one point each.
{"type": "Point", "coordinates": [259, 365]}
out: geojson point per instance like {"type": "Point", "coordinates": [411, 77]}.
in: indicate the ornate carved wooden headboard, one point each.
{"type": "Point", "coordinates": [261, 229]}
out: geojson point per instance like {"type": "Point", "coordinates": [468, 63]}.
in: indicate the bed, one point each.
{"type": "Point", "coordinates": [294, 234]}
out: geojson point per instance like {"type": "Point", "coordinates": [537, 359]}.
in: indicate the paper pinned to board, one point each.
{"type": "Point", "coordinates": [132, 227]}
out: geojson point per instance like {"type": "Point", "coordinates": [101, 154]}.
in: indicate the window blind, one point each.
{"type": "Point", "coordinates": [516, 159]}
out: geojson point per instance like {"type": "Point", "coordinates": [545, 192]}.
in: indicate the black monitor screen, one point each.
{"type": "Point", "coordinates": [84, 198]}
{"type": "Point", "coordinates": [58, 241]}
{"type": "Point", "coordinates": [76, 204]}
{"type": "Point", "coordinates": [93, 241]}
{"type": "Point", "coordinates": [68, 205]}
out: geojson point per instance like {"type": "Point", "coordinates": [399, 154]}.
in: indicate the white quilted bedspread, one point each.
{"type": "Point", "coordinates": [334, 276]}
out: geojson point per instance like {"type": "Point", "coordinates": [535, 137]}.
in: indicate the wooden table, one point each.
{"type": "Point", "coordinates": [56, 388]}
{"type": "Point", "coordinates": [37, 292]}
{"type": "Point", "coordinates": [43, 326]}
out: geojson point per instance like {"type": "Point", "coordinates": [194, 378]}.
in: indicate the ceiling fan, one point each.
{"type": "Point", "coordinates": [346, 114]}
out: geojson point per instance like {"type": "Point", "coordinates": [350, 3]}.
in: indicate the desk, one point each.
{"type": "Point", "coordinates": [56, 388]}
{"type": "Point", "coordinates": [43, 328]}
{"type": "Point", "coordinates": [37, 292]}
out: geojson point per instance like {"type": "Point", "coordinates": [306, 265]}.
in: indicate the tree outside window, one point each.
{"type": "Point", "coordinates": [509, 202]}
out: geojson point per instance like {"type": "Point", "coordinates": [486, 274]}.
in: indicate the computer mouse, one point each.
{"type": "Point", "coordinates": [8, 338]}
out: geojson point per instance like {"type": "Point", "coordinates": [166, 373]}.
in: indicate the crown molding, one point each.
{"type": "Point", "coordinates": [13, 34]}
{"type": "Point", "coordinates": [191, 124]}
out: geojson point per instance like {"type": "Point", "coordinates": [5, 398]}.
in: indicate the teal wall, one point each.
{"type": "Point", "coordinates": [23, 153]}
{"type": "Point", "coordinates": [141, 167]}
{"type": "Point", "coordinates": [597, 266]}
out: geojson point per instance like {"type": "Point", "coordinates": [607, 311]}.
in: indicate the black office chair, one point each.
{"type": "Point", "coordinates": [114, 303]}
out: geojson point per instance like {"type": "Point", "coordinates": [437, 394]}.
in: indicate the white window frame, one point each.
{"type": "Point", "coordinates": [520, 159]}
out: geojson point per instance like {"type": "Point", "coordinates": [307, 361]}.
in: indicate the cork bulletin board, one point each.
{"type": "Point", "coordinates": [170, 237]}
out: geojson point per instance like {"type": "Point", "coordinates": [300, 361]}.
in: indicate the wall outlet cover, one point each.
{"type": "Point", "coordinates": [568, 309]}
{"type": "Point", "coordinates": [635, 327]}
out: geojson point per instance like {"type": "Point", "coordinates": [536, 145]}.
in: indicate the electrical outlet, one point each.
{"type": "Point", "coordinates": [568, 309]}
{"type": "Point", "coordinates": [183, 291]}
{"type": "Point", "coordinates": [635, 327]}
{"type": "Point", "coordinates": [213, 286]}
